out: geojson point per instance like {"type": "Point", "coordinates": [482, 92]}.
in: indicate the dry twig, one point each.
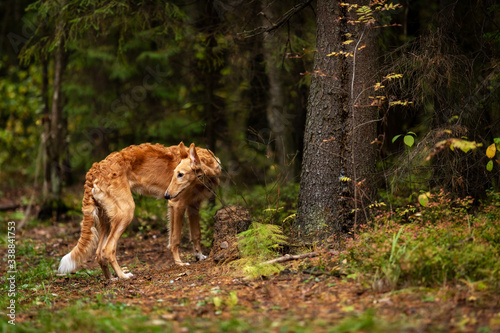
{"type": "Point", "coordinates": [288, 257]}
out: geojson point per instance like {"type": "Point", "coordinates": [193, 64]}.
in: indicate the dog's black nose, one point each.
{"type": "Point", "coordinates": [167, 196]}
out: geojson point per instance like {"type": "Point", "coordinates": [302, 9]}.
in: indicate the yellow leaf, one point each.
{"type": "Point", "coordinates": [423, 199]}
{"type": "Point", "coordinates": [378, 86]}
{"type": "Point", "coordinates": [348, 308]}
{"type": "Point", "coordinates": [347, 42]}
{"type": "Point", "coordinates": [491, 151]}
{"type": "Point", "coordinates": [217, 301]}
{"type": "Point", "coordinates": [393, 76]}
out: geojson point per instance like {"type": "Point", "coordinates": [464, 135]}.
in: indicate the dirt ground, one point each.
{"type": "Point", "coordinates": [186, 293]}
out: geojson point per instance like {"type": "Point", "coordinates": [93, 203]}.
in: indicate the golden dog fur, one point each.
{"type": "Point", "coordinates": [184, 177]}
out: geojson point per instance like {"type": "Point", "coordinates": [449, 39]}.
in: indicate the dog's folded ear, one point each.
{"type": "Point", "coordinates": [213, 169]}
{"type": "Point", "coordinates": [183, 150]}
{"type": "Point", "coordinates": [193, 156]}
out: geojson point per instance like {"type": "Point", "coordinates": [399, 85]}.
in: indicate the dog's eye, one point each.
{"type": "Point", "coordinates": [180, 174]}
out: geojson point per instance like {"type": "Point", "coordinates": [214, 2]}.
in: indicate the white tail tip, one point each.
{"type": "Point", "coordinates": [67, 264]}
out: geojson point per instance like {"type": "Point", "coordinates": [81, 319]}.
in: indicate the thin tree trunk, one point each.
{"type": "Point", "coordinates": [46, 132]}
{"type": "Point", "coordinates": [56, 128]}
{"type": "Point", "coordinates": [338, 156]}
{"type": "Point", "coordinates": [210, 71]}
{"type": "Point", "coordinates": [54, 142]}
{"type": "Point", "coordinates": [278, 118]}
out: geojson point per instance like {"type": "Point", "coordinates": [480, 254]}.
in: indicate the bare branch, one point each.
{"type": "Point", "coordinates": [288, 257]}
{"type": "Point", "coordinates": [282, 20]}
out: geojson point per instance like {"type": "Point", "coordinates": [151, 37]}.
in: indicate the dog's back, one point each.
{"type": "Point", "coordinates": [108, 206]}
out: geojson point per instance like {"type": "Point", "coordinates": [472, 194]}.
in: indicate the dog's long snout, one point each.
{"type": "Point", "coordinates": [167, 196]}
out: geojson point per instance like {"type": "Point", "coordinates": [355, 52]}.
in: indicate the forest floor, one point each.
{"type": "Point", "coordinates": [205, 297]}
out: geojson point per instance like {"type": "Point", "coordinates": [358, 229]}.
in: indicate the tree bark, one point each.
{"type": "Point", "coordinates": [46, 131]}
{"type": "Point", "coordinates": [210, 74]}
{"type": "Point", "coordinates": [278, 118]}
{"type": "Point", "coordinates": [338, 161]}
{"type": "Point", "coordinates": [56, 127]}
{"type": "Point", "coordinates": [54, 141]}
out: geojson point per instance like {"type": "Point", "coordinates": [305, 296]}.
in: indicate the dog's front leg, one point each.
{"type": "Point", "coordinates": [193, 213]}
{"type": "Point", "coordinates": [176, 211]}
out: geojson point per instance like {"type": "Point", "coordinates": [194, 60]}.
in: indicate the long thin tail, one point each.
{"type": "Point", "coordinates": [89, 236]}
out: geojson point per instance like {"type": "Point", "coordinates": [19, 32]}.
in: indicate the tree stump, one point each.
{"type": "Point", "coordinates": [228, 222]}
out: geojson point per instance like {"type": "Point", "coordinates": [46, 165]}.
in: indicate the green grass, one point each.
{"type": "Point", "coordinates": [81, 317]}
{"type": "Point", "coordinates": [443, 244]}
{"type": "Point", "coordinates": [99, 317]}
{"type": "Point", "coordinates": [34, 271]}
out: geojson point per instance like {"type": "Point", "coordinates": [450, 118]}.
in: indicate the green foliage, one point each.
{"type": "Point", "coordinates": [271, 203]}
{"type": "Point", "coordinates": [443, 244]}
{"type": "Point", "coordinates": [207, 213]}
{"type": "Point", "coordinates": [225, 302]}
{"type": "Point", "coordinates": [102, 317]}
{"type": "Point", "coordinates": [366, 15]}
{"type": "Point", "coordinates": [491, 152]}
{"type": "Point", "coordinates": [20, 121]}
{"type": "Point", "coordinates": [356, 323]}
{"type": "Point", "coordinates": [408, 139]}
{"type": "Point", "coordinates": [256, 245]}
{"type": "Point", "coordinates": [150, 213]}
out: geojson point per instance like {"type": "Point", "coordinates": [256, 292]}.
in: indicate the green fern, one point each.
{"type": "Point", "coordinates": [256, 246]}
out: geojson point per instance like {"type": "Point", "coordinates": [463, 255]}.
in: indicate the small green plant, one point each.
{"type": "Point", "coordinates": [409, 141]}
{"type": "Point", "coordinates": [256, 246]}
{"type": "Point", "coordinates": [491, 152]}
{"type": "Point", "coordinates": [391, 268]}
{"type": "Point", "coordinates": [362, 322]}
{"type": "Point", "coordinates": [441, 207]}
{"type": "Point", "coordinates": [228, 302]}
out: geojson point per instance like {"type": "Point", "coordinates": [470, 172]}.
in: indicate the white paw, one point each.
{"type": "Point", "coordinates": [200, 256]}
{"type": "Point", "coordinates": [125, 276]}
{"type": "Point", "coordinates": [182, 263]}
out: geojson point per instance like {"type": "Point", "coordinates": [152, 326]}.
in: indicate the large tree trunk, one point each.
{"type": "Point", "coordinates": [338, 161]}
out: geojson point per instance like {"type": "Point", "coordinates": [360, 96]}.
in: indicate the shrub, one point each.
{"type": "Point", "coordinates": [442, 244]}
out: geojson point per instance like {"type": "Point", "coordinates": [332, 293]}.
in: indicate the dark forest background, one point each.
{"type": "Point", "coordinates": [80, 79]}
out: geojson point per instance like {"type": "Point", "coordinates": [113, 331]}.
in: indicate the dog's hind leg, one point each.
{"type": "Point", "coordinates": [104, 229]}
{"type": "Point", "coordinates": [193, 213]}
{"type": "Point", "coordinates": [120, 210]}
